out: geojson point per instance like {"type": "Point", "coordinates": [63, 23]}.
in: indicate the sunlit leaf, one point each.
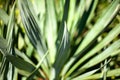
{"type": "Point", "coordinates": [111, 35]}
{"type": "Point", "coordinates": [85, 75]}
{"type": "Point", "coordinates": [30, 22]}
{"type": "Point", "coordinates": [91, 36]}
{"type": "Point", "coordinates": [31, 26]}
{"type": "Point", "coordinates": [110, 73]}
{"type": "Point", "coordinates": [106, 17]}
{"type": "Point", "coordinates": [100, 57]}
{"type": "Point", "coordinates": [51, 28]}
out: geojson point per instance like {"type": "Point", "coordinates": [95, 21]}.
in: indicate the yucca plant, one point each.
{"type": "Point", "coordinates": [59, 39]}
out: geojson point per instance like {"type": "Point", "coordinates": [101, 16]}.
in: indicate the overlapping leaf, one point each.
{"type": "Point", "coordinates": [6, 48]}
{"type": "Point", "coordinates": [51, 28]}
{"type": "Point", "coordinates": [106, 17]}
{"type": "Point", "coordinates": [63, 52]}
{"type": "Point", "coordinates": [110, 12]}
{"type": "Point", "coordinates": [31, 25]}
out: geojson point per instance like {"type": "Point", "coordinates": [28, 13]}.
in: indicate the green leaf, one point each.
{"type": "Point", "coordinates": [40, 10]}
{"type": "Point", "coordinates": [110, 73]}
{"type": "Point", "coordinates": [3, 44]}
{"type": "Point", "coordinates": [4, 69]}
{"type": "Point", "coordinates": [51, 28]}
{"type": "Point", "coordinates": [71, 14]}
{"type": "Point", "coordinates": [82, 22]}
{"type": "Point", "coordinates": [76, 16]}
{"type": "Point", "coordinates": [4, 16]}
{"type": "Point", "coordinates": [64, 19]}
{"type": "Point", "coordinates": [111, 35]}
{"type": "Point", "coordinates": [10, 26]}
{"type": "Point", "coordinates": [31, 25]}
{"type": "Point", "coordinates": [3, 65]}
{"type": "Point", "coordinates": [79, 17]}
{"type": "Point", "coordinates": [30, 21]}
{"type": "Point", "coordinates": [5, 47]}
{"type": "Point", "coordinates": [39, 7]}
{"type": "Point", "coordinates": [21, 64]}
{"type": "Point", "coordinates": [23, 56]}
{"type": "Point", "coordinates": [117, 52]}
{"type": "Point", "coordinates": [92, 13]}
{"type": "Point", "coordinates": [59, 7]}
{"type": "Point", "coordinates": [63, 53]}
{"type": "Point", "coordinates": [84, 75]}
{"type": "Point", "coordinates": [104, 71]}
{"type": "Point", "coordinates": [81, 77]}
{"type": "Point", "coordinates": [105, 18]}
{"type": "Point", "coordinates": [30, 77]}
{"type": "Point", "coordinates": [100, 57]}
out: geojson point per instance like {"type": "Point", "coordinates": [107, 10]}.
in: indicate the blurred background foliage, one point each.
{"type": "Point", "coordinates": [50, 15]}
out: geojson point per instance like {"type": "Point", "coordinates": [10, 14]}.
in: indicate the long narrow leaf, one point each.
{"type": "Point", "coordinates": [51, 28]}
{"type": "Point", "coordinates": [103, 55]}
{"type": "Point", "coordinates": [100, 25]}
{"type": "Point", "coordinates": [31, 26]}
{"type": "Point", "coordinates": [64, 19]}
{"type": "Point", "coordinates": [7, 68]}
{"type": "Point", "coordinates": [23, 56]}
{"type": "Point", "coordinates": [11, 24]}
{"type": "Point", "coordinates": [106, 17]}
{"type": "Point", "coordinates": [76, 17]}
{"type": "Point", "coordinates": [62, 53]}
{"type": "Point", "coordinates": [110, 73]}
{"type": "Point", "coordinates": [21, 64]}
{"type": "Point", "coordinates": [83, 76]}
{"type": "Point", "coordinates": [111, 35]}
{"type": "Point", "coordinates": [30, 77]}
{"type": "Point", "coordinates": [82, 22]}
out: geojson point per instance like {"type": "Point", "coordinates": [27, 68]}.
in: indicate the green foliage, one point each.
{"type": "Point", "coordinates": [59, 39]}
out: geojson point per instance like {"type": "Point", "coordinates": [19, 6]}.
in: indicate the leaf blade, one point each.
{"type": "Point", "coordinates": [63, 52]}
{"type": "Point", "coordinates": [105, 18]}
{"type": "Point", "coordinates": [4, 16]}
